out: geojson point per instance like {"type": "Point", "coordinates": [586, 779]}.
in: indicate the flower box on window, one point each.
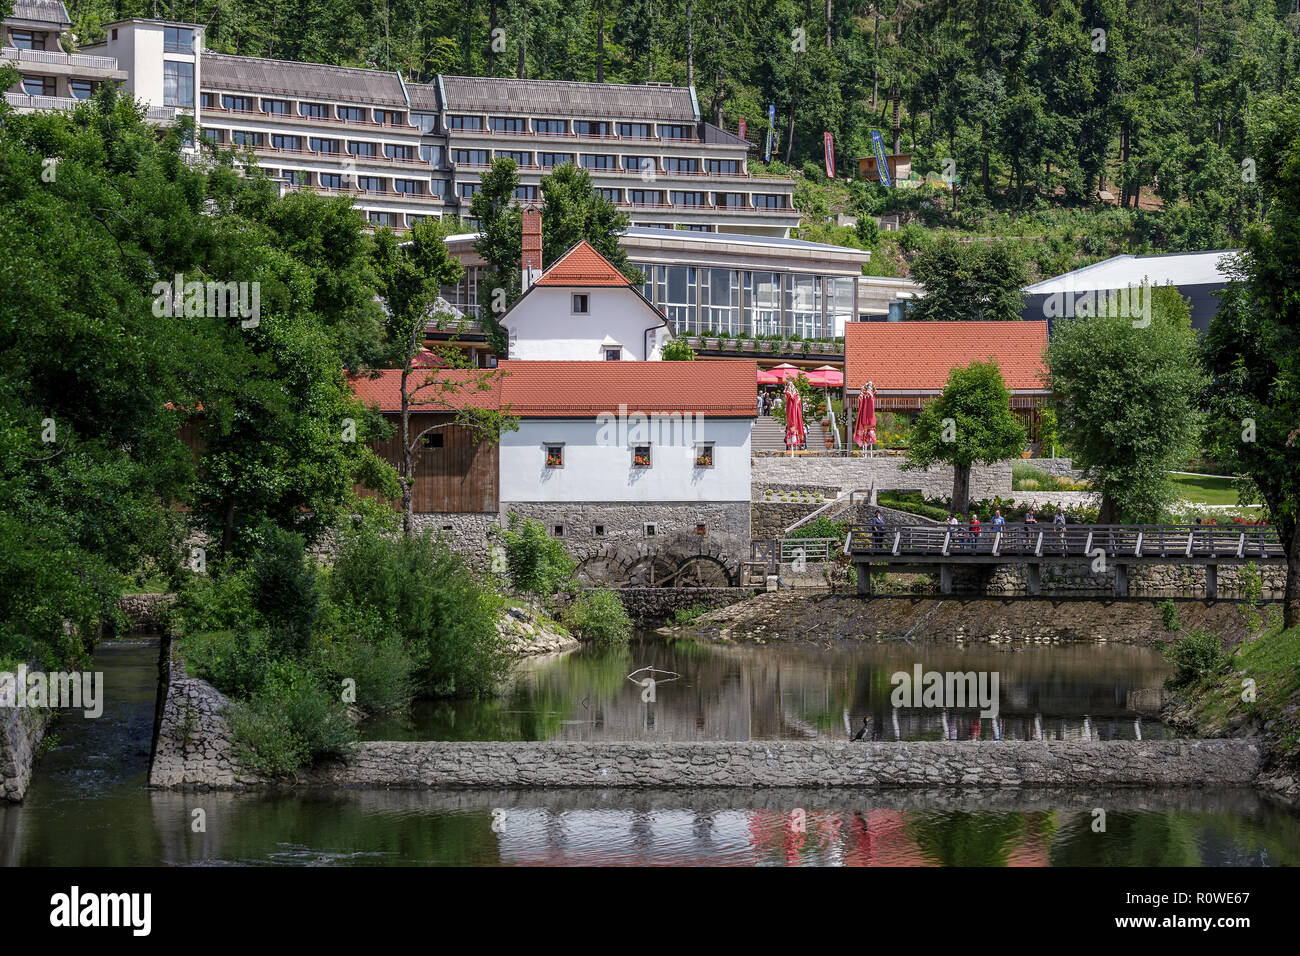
{"type": "Point", "coordinates": [641, 456]}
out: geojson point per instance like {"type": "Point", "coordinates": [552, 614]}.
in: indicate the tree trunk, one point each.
{"type": "Point", "coordinates": [875, 67]}
{"type": "Point", "coordinates": [404, 473]}
{"type": "Point", "coordinates": [523, 48]}
{"type": "Point", "coordinates": [789, 134]}
{"type": "Point", "coordinates": [600, 44]}
{"type": "Point", "coordinates": [897, 126]}
{"type": "Point", "coordinates": [1291, 597]}
{"type": "Point", "coordinates": [828, 24]}
{"type": "Point", "coordinates": [960, 488]}
{"type": "Point", "coordinates": [690, 43]}
{"type": "Point", "coordinates": [1106, 513]}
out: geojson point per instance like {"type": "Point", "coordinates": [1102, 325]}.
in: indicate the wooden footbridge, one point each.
{"type": "Point", "coordinates": [1118, 548]}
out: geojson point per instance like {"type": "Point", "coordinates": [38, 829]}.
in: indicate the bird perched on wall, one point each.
{"type": "Point", "coordinates": [862, 731]}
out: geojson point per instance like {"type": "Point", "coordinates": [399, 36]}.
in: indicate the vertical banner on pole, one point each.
{"type": "Point", "coordinates": [829, 145]}
{"type": "Point", "coordinates": [741, 134]}
{"type": "Point", "coordinates": [882, 164]}
{"type": "Point", "coordinates": [771, 132]}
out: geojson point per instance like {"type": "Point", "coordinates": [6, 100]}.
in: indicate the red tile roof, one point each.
{"type": "Point", "coordinates": [581, 266]}
{"type": "Point", "coordinates": [588, 389]}
{"type": "Point", "coordinates": [386, 390]}
{"type": "Point", "coordinates": [919, 355]}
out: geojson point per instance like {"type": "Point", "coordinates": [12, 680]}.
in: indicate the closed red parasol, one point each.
{"type": "Point", "coordinates": [864, 427]}
{"type": "Point", "coordinates": [795, 433]}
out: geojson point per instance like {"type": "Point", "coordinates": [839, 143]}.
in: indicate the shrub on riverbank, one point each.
{"type": "Point", "coordinates": [537, 563]}
{"type": "Point", "coordinates": [599, 616]}
{"type": "Point", "coordinates": [1196, 656]}
{"type": "Point", "coordinates": [291, 721]}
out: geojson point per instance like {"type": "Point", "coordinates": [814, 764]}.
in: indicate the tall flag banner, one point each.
{"type": "Point", "coordinates": [829, 145]}
{"type": "Point", "coordinates": [771, 132]}
{"type": "Point", "coordinates": [742, 129]}
{"type": "Point", "coordinates": [882, 165]}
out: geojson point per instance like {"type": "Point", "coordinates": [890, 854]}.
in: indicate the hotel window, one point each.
{"type": "Point", "coordinates": [464, 122]}
{"type": "Point", "coordinates": [720, 296]}
{"type": "Point", "coordinates": [438, 187]}
{"type": "Point", "coordinates": [548, 160]}
{"type": "Point", "coordinates": [614, 355]}
{"type": "Point", "coordinates": [399, 151]}
{"type": "Point", "coordinates": [409, 186]}
{"type": "Point", "coordinates": [678, 291]}
{"type": "Point", "coordinates": [694, 227]}
{"type": "Point", "coordinates": [590, 128]}
{"type": "Point", "coordinates": [382, 219]}
{"type": "Point", "coordinates": [388, 117]}
{"type": "Point", "coordinates": [28, 40]}
{"type": "Point", "coordinates": [467, 190]}
{"type": "Point", "coordinates": [281, 141]}
{"type": "Point", "coordinates": [363, 149]}
{"type": "Point", "coordinates": [550, 127]}
{"type": "Point", "coordinates": [526, 193]}
{"type": "Point", "coordinates": [681, 164]}
{"type": "Point", "coordinates": [729, 200]}
{"type": "Point", "coordinates": [581, 302]}
{"type": "Point", "coordinates": [206, 100]}
{"type": "Point", "coordinates": [178, 84]}
{"type": "Point", "coordinates": [704, 455]}
{"type": "Point", "coordinates": [331, 181]}
{"type": "Point", "coordinates": [314, 110]}
{"type": "Point", "coordinates": [243, 137]}
{"type": "Point", "coordinates": [469, 157]}
{"type": "Point", "coordinates": [613, 195]}
{"type": "Point", "coordinates": [521, 157]}
{"type": "Point", "coordinates": [803, 305]}
{"type": "Point", "coordinates": [675, 132]}
{"type": "Point", "coordinates": [640, 164]}
{"type": "Point", "coordinates": [214, 135]}
{"type": "Point", "coordinates": [555, 456]}
{"type": "Point", "coordinates": [635, 130]}
{"type": "Point", "coordinates": [370, 184]}
{"type": "Point", "coordinates": [598, 161]}
{"type": "Point", "coordinates": [722, 167]}
{"type": "Point", "coordinates": [763, 302]}
{"type": "Point", "coordinates": [278, 107]}
{"type": "Point", "coordinates": [433, 155]}
{"type": "Point", "coordinates": [178, 40]}
{"type": "Point", "coordinates": [81, 89]}
{"type": "Point", "coordinates": [413, 220]}
{"type": "Point", "coordinates": [768, 201]}
{"type": "Point", "coordinates": [426, 122]}
{"type": "Point", "coordinates": [297, 177]}
{"type": "Point", "coordinates": [319, 145]}
{"type": "Point", "coordinates": [509, 124]}
{"type": "Point", "coordinates": [839, 304]}
{"type": "Point", "coordinates": [242, 103]}
{"type": "Point", "coordinates": [351, 114]}
{"type": "Point", "coordinates": [686, 199]}
{"type": "Point", "coordinates": [648, 287]}
{"type": "Point", "coordinates": [646, 197]}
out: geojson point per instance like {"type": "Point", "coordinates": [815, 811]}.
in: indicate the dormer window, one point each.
{"type": "Point", "coordinates": [614, 354]}
{"type": "Point", "coordinates": [581, 301]}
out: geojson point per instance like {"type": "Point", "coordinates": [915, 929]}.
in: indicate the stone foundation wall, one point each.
{"type": "Point", "coordinates": [623, 527]}
{"type": "Point", "coordinates": [1143, 578]}
{"type": "Point", "coordinates": [470, 534]}
{"type": "Point", "coordinates": [650, 606]}
{"type": "Point", "coordinates": [21, 731]}
{"type": "Point", "coordinates": [147, 612]}
{"type": "Point", "coordinates": [1004, 764]}
{"type": "Point", "coordinates": [986, 481]}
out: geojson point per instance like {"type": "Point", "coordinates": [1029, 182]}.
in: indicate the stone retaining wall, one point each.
{"type": "Point", "coordinates": [1166, 763]}
{"type": "Point", "coordinates": [986, 481]}
{"type": "Point", "coordinates": [21, 731]}
{"type": "Point", "coordinates": [651, 606]}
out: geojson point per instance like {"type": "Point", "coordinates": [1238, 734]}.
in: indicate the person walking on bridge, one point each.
{"type": "Point", "coordinates": [877, 530]}
{"type": "Point", "coordinates": [974, 531]}
{"type": "Point", "coordinates": [1058, 524]}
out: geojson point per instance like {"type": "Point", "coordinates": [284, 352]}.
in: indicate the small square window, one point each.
{"type": "Point", "coordinates": [432, 440]}
{"type": "Point", "coordinates": [554, 456]}
{"type": "Point", "coordinates": [447, 527]}
{"type": "Point", "coordinates": [580, 303]}
{"type": "Point", "coordinates": [704, 455]}
{"type": "Point", "coordinates": [557, 530]}
{"type": "Point", "coordinates": [650, 530]}
{"type": "Point", "coordinates": [641, 456]}
{"type": "Point", "coordinates": [598, 531]}
{"type": "Point", "coordinates": [701, 529]}
{"type": "Point", "coordinates": [613, 355]}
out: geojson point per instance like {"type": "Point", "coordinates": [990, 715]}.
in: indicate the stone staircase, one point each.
{"type": "Point", "coordinates": [768, 434]}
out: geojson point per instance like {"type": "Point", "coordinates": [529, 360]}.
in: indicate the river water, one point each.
{"type": "Point", "coordinates": [88, 804]}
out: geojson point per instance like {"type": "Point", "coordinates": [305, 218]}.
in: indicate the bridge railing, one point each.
{"type": "Point", "coordinates": [1078, 540]}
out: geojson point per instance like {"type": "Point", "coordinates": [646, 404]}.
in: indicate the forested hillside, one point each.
{"type": "Point", "coordinates": [1037, 103]}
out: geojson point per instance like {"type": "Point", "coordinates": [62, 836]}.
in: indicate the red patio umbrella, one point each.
{"type": "Point", "coordinates": [768, 378]}
{"type": "Point", "coordinates": [784, 372]}
{"type": "Point", "coordinates": [795, 433]}
{"type": "Point", "coordinates": [864, 426]}
{"type": "Point", "coordinates": [826, 377]}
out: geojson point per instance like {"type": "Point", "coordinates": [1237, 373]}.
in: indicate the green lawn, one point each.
{"type": "Point", "coordinates": [1205, 490]}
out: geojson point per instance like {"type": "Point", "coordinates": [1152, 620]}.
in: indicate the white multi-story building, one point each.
{"type": "Point", "coordinates": [48, 77]}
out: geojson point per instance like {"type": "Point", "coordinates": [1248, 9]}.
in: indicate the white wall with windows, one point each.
{"type": "Point", "coordinates": [597, 461]}
{"type": "Point", "coordinates": [553, 323]}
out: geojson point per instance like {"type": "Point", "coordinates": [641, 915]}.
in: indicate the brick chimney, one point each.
{"type": "Point", "coordinates": [531, 266]}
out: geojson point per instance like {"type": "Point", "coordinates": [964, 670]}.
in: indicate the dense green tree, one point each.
{"type": "Point", "coordinates": [1126, 390]}
{"type": "Point", "coordinates": [966, 281]}
{"type": "Point", "coordinates": [971, 421]}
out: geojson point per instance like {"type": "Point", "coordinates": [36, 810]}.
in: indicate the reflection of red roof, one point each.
{"type": "Point", "coordinates": [588, 389]}
{"type": "Point", "coordinates": [582, 266]}
{"type": "Point", "coordinates": [919, 355]}
{"type": "Point", "coordinates": [386, 390]}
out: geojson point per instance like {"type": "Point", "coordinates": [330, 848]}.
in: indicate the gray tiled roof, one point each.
{"type": "Point", "coordinates": [250, 74]}
{"type": "Point", "coordinates": [476, 94]}
{"type": "Point", "coordinates": [48, 11]}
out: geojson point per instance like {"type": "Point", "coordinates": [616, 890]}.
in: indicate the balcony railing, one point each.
{"type": "Point", "coordinates": [83, 60]}
{"type": "Point", "coordinates": [298, 117]}
{"type": "Point", "coordinates": [23, 101]}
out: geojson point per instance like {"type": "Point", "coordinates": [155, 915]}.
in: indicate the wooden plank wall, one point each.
{"type": "Point", "coordinates": [459, 477]}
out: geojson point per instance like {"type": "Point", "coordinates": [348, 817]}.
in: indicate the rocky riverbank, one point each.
{"type": "Point", "coordinates": [808, 617]}
{"type": "Point", "coordinates": [528, 632]}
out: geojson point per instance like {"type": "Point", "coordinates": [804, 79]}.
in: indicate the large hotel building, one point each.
{"type": "Point", "coordinates": [405, 149]}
